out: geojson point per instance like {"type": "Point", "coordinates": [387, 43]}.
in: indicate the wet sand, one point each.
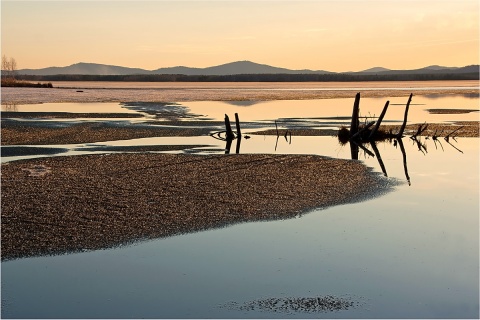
{"type": "Point", "coordinates": [68, 204]}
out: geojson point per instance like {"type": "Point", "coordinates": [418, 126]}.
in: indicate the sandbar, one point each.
{"type": "Point", "coordinates": [70, 204]}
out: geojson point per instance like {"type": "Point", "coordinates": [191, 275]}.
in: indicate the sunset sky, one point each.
{"type": "Point", "coordinates": [319, 35]}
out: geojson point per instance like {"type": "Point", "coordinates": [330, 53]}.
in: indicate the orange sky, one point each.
{"type": "Point", "coordinates": [319, 35]}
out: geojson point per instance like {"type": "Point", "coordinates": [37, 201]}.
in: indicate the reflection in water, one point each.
{"type": "Point", "coordinates": [369, 150]}
{"type": "Point", "coordinates": [404, 154]}
{"type": "Point", "coordinates": [10, 107]}
{"type": "Point", "coordinates": [287, 136]}
{"type": "Point", "coordinates": [379, 157]}
{"type": "Point", "coordinates": [422, 147]}
{"type": "Point", "coordinates": [243, 103]}
{"type": "Point", "coordinates": [453, 145]}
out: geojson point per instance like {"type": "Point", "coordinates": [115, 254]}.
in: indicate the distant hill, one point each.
{"type": "Point", "coordinates": [238, 67]}
{"type": "Point", "coordinates": [425, 70]}
{"type": "Point", "coordinates": [241, 71]}
{"type": "Point", "coordinates": [84, 68]}
{"type": "Point", "coordinates": [373, 70]}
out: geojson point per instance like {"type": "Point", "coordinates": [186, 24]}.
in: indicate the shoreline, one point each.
{"type": "Point", "coordinates": [72, 204]}
{"type": "Point", "coordinates": [124, 95]}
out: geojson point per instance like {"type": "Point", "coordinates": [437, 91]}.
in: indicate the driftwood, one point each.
{"type": "Point", "coordinates": [379, 121]}
{"type": "Point", "coordinates": [364, 129]}
{"type": "Point", "coordinates": [355, 122]}
{"type": "Point", "coordinates": [358, 135]}
{"type": "Point", "coordinates": [402, 128]}
{"type": "Point", "coordinates": [363, 133]}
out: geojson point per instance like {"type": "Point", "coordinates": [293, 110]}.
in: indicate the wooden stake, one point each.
{"type": "Point", "coordinates": [228, 128]}
{"type": "Point", "coordinates": [379, 121]}
{"type": "Point", "coordinates": [356, 108]}
{"type": "Point", "coordinates": [237, 124]}
{"type": "Point", "coordinates": [400, 133]}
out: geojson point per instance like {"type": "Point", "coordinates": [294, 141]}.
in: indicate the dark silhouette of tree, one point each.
{"type": "Point", "coordinates": [9, 68]}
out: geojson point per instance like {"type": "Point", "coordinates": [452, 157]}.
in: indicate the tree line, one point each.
{"type": "Point", "coordinates": [333, 77]}
{"type": "Point", "coordinates": [10, 79]}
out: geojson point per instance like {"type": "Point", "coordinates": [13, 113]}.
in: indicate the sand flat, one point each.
{"type": "Point", "coordinates": [66, 204]}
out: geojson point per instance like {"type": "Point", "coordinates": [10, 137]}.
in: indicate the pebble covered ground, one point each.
{"type": "Point", "coordinates": [68, 204]}
{"type": "Point", "coordinates": [24, 134]}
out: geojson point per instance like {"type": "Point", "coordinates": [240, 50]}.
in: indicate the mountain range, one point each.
{"type": "Point", "coordinates": [238, 67]}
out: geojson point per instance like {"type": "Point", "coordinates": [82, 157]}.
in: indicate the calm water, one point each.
{"type": "Point", "coordinates": [411, 253]}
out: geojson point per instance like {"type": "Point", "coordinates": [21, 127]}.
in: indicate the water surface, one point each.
{"type": "Point", "coordinates": [411, 253]}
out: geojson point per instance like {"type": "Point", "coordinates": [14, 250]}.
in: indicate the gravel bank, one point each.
{"type": "Point", "coordinates": [68, 204]}
{"type": "Point", "coordinates": [18, 134]}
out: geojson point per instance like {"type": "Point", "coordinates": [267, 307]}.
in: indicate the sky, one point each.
{"type": "Point", "coordinates": [327, 35]}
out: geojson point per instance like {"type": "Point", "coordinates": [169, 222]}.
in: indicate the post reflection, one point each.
{"type": "Point", "coordinates": [404, 156]}
{"type": "Point", "coordinates": [379, 157]}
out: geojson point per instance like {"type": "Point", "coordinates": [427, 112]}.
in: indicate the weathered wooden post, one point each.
{"type": "Point", "coordinates": [228, 128]}
{"type": "Point", "coordinates": [402, 128]}
{"type": "Point", "coordinates": [355, 122]}
{"type": "Point", "coordinates": [379, 121]}
{"type": "Point", "coordinates": [237, 124]}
